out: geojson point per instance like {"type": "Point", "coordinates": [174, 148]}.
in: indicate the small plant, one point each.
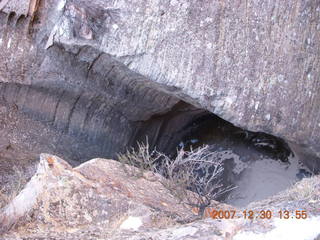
{"type": "Point", "coordinates": [194, 177]}
{"type": "Point", "coordinates": [142, 159]}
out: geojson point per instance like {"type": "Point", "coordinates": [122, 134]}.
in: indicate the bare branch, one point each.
{"type": "Point", "coordinates": [194, 176]}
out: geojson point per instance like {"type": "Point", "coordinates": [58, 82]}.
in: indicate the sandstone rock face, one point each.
{"type": "Point", "coordinates": [85, 79]}
{"type": "Point", "coordinates": [91, 72]}
{"type": "Point", "coordinates": [68, 98]}
{"type": "Point", "coordinates": [254, 64]}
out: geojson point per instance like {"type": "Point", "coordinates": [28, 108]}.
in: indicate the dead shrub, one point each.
{"type": "Point", "coordinates": [193, 177]}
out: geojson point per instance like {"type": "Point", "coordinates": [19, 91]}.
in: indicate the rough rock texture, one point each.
{"type": "Point", "coordinates": [99, 200]}
{"type": "Point", "coordinates": [69, 98]}
{"type": "Point", "coordinates": [254, 64]}
{"type": "Point", "coordinates": [94, 70]}
{"type": "Point", "coordinates": [87, 79]}
{"type": "Point", "coordinates": [20, 8]}
{"type": "Point", "coordinates": [93, 200]}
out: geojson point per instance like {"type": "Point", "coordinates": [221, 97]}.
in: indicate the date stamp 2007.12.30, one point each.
{"type": "Point", "coordinates": [253, 214]}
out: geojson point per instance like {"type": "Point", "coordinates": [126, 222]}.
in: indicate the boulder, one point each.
{"type": "Point", "coordinates": [95, 200]}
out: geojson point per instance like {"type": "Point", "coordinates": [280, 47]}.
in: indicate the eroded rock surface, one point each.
{"type": "Point", "coordinates": [254, 65]}
{"type": "Point", "coordinates": [100, 200]}
{"type": "Point", "coordinates": [97, 199]}
{"type": "Point", "coordinates": [88, 79]}
{"type": "Point", "coordinates": [91, 73]}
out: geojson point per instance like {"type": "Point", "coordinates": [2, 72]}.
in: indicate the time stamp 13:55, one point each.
{"type": "Point", "coordinates": [254, 214]}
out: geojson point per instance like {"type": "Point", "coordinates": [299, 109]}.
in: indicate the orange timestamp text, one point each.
{"type": "Point", "coordinates": [253, 214]}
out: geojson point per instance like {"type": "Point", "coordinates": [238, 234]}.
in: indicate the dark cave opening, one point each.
{"type": "Point", "coordinates": [258, 164]}
{"type": "Point", "coordinates": [78, 127]}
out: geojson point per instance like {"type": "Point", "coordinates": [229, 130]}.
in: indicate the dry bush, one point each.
{"type": "Point", "coordinates": [142, 158]}
{"type": "Point", "coordinates": [193, 177]}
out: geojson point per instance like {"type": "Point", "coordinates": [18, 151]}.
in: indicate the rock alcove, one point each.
{"type": "Point", "coordinates": [84, 104]}
{"type": "Point", "coordinates": [89, 79]}
{"type": "Point", "coordinates": [259, 165]}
